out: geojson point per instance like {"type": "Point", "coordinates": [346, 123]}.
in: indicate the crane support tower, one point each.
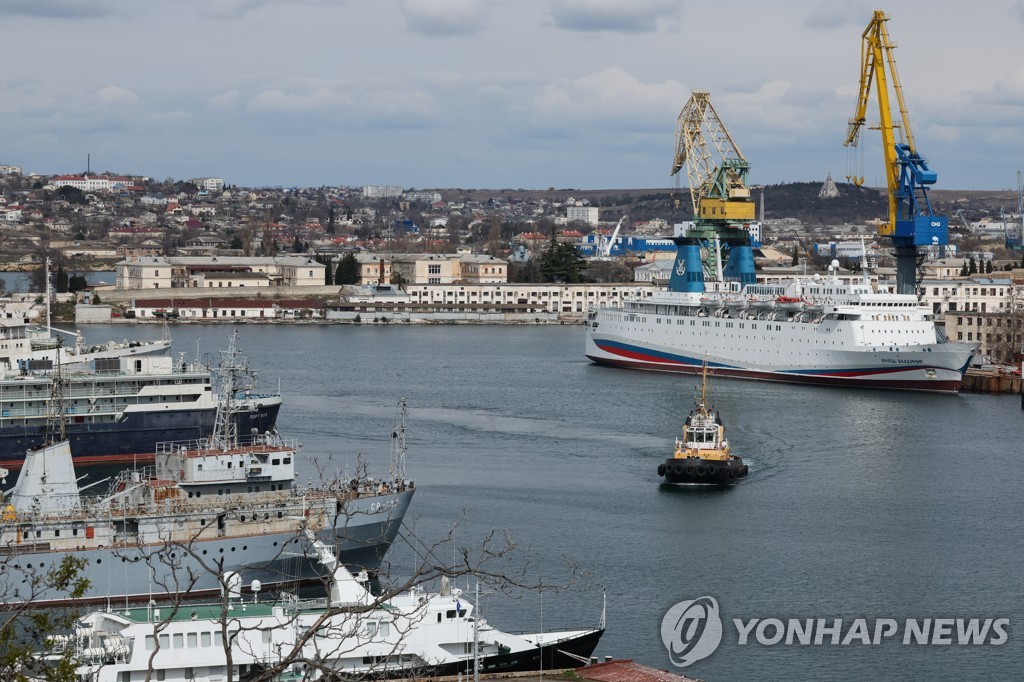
{"type": "Point", "coordinates": [722, 207]}
{"type": "Point", "coordinates": [911, 222]}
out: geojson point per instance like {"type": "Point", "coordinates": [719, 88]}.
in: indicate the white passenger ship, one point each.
{"type": "Point", "coordinates": [351, 635]}
{"type": "Point", "coordinates": [818, 330]}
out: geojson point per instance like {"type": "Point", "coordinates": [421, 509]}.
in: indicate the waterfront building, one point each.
{"type": "Point", "coordinates": [943, 268]}
{"type": "Point", "coordinates": [1000, 334]}
{"type": "Point", "coordinates": [656, 272]}
{"type": "Point", "coordinates": [974, 294]}
{"type": "Point", "coordinates": [217, 272]}
{"type": "Point", "coordinates": [568, 301]}
{"type": "Point", "coordinates": [425, 268]}
{"type": "Point", "coordinates": [256, 310]}
{"type": "Point", "coordinates": [594, 243]}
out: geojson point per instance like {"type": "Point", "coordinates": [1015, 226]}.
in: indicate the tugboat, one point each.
{"type": "Point", "coordinates": [702, 452]}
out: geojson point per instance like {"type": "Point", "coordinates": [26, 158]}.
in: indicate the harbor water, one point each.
{"type": "Point", "coordinates": [859, 504]}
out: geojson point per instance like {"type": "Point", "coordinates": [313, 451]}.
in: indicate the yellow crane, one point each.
{"type": "Point", "coordinates": [717, 173]}
{"type": "Point", "coordinates": [911, 222]}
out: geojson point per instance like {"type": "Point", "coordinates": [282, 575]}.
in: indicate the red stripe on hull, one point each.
{"type": "Point", "coordinates": [950, 386]}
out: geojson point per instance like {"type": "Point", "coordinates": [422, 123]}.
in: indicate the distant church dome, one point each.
{"type": "Point", "coordinates": [828, 189]}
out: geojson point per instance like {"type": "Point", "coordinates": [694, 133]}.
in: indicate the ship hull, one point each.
{"type": "Point", "coordinates": [133, 439]}
{"type": "Point", "coordinates": [193, 566]}
{"type": "Point", "coordinates": [558, 655]}
{"type": "Point", "coordinates": [784, 358]}
{"type": "Point", "coordinates": [702, 472]}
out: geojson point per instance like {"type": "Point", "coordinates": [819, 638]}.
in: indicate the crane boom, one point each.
{"type": "Point", "coordinates": [606, 252]}
{"type": "Point", "coordinates": [911, 222]}
{"type": "Point", "coordinates": [722, 208]}
{"type": "Point", "coordinates": [716, 182]}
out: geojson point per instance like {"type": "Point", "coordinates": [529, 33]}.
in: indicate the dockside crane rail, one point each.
{"type": "Point", "coordinates": [911, 222]}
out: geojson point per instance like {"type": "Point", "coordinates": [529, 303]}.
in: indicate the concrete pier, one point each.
{"type": "Point", "coordinates": [992, 381]}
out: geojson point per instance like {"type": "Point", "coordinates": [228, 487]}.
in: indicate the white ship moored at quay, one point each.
{"type": "Point", "coordinates": [349, 635]}
{"type": "Point", "coordinates": [817, 330]}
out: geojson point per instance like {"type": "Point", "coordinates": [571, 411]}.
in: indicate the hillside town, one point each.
{"type": "Point", "coordinates": [205, 250]}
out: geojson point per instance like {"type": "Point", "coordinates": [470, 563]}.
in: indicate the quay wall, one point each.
{"type": "Point", "coordinates": [979, 381]}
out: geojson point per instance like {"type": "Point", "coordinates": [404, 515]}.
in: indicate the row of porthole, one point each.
{"type": "Point", "coordinates": [174, 555]}
{"type": "Point", "coordinates": [266, 517]}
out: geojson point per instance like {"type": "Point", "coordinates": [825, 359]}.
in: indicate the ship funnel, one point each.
{"type": "Point", "coordinates": [740, 267]}
{"type": "Point", "coordinates": [688, 272]}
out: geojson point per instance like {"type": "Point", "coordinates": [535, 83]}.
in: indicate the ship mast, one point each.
{"type": "Point", "coordinates": [704, 386]}
{"type": "Point", "coordinates": [56, 422]}
{"type": "Point", "coordinates": [48, 331]}
{"type": "Point", "coordinates": [398, 443]}
{"type": "Point", "coordinates": [232, 367]}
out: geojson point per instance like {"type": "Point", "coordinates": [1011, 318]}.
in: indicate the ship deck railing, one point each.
{"type": "Point", "coordinates": [45, 375]}
{"type": "Point", "coordinates": [102, 508]}
{"type": "Point", "coordinates": [206, 447]}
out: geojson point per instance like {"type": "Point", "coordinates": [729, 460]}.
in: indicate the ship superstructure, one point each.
{"type": "Point", "coordinates": [27, 347]}
{"type": "Point", "coordinates": [120, 409]}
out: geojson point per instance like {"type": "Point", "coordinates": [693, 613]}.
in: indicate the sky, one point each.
{"type": "Point", "coordinates": [495, 94]}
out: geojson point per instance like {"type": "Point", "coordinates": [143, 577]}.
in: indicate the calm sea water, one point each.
{"type": "Point", "coordinates": [859, 503]}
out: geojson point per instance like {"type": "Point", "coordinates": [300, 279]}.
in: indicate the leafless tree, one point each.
{"type": "Point", "coordinates": [179, 564]}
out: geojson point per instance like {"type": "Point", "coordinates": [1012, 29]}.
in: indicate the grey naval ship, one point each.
{"type": "Point", "coordinates": [224, 503]}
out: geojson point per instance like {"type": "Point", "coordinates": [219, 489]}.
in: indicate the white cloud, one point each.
{"type": "Point", "coordinates": [225, 102]}
{"type": "Point", "coordinates": [625, 16]}
{"type": "Point", "coordinates": [445, 17]}
{"type": "Point", "coordinates": [610, 94]}
{"type": "Point", "coordinates": [941, 133]}
{"type": "Point", "coordinates": [526, 92]}
{"type": "Point", "coordinates": [277, 101]}
{"type": "Point", "coordinates": [1010, 90]}
{"type": "Point", "coordinates": [116, 97]}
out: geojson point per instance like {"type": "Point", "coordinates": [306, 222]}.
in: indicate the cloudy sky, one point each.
{"type": "Point", "coordinates": [493, 93]}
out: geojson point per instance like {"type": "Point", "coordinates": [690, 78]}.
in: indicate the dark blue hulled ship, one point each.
{"type": "Point", "coordinates": [119, 408]}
